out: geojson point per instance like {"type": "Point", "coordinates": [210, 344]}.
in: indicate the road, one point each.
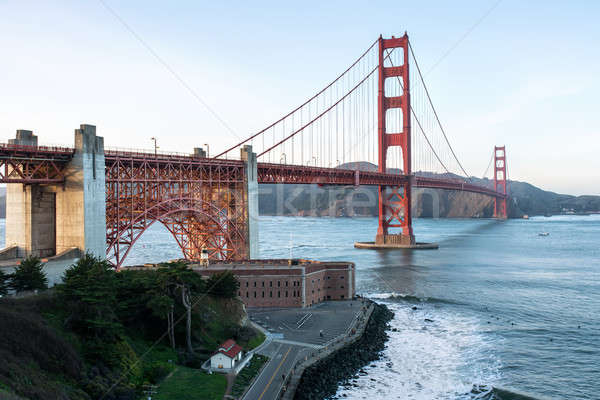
{"type": "Point", "coordinates": [282, 359]}
{"type": "Point", "coordinates": [297, 333]}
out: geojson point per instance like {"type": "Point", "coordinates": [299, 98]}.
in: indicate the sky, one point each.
{"type": "Point", "coordinates": [508, 72]}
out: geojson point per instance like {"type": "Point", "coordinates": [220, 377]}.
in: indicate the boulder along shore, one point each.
{"type": "Point", "coordinates": [322, 379]}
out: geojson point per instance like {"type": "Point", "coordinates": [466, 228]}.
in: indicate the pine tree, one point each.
{"type": "Point", "coordinates": [29, 275]}
{"type": "Point", "coordinates": [89, 293]}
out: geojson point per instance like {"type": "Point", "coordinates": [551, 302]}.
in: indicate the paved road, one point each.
{"type": "Point", "coordinates": [297, 332]}
{"type": "Point", "coordinates": [282, 359]}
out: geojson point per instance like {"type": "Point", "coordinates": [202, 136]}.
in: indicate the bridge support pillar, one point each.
{"type": "Point", "coordinates": [30, 217]}
{"type": "Point", "coordinates": [81, 204]}
{"type": "Point", "coordinates": [394, 202]}
{"type": "Point", "coordinates": [251, 189]}
{"type": "Point", "coordinates": [500, 177]}
{"type": "Point", "coordinates": [47, 219]}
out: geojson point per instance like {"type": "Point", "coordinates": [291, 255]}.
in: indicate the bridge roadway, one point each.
{"type": "Point", "coordinates": [43, 165]}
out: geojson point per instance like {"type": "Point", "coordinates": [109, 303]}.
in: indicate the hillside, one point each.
{"type": "Point", "coordinates": [333, 201]}
{"type": "Point", "coordinates": [102, 334]}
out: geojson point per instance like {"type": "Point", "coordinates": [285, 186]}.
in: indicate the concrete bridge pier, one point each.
{"type": "Point", "coordinates": [251, 189]}
{"type": "Point", "coordinates": [81, 203]}
{"type": "Point", "coordinates": [45, 220]}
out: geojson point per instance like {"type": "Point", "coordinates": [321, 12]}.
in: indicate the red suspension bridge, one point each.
{"type": "Point", "coordinates": [374, 114]}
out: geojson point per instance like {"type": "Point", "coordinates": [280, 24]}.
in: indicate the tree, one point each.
{"type": "Point", "coordinates": [89, 294]}
{"type": "Point", "coordinates": [223, 284]}
{"type": "Point", "coordinates": [29, 275]}
{"type": "Point", "coordinates": [179, 284]}
{"type": "Point", "coordinates": [4, 283]}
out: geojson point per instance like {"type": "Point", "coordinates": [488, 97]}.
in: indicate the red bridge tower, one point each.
{"type": "Point", "coordinates": [500, 181]}
{"type": "Point", "coordinates": [394, 201]}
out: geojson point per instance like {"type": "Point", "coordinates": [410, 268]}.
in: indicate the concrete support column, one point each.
{"type": "Point", "coordinates": [30, 221]}
{"type": "Point", "coordinates": [252, 199]}
{"type": "Point", "coordinates": [81, 204]}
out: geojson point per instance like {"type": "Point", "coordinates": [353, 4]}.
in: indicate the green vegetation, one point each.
{"type": "Point", "coordinates": [4, 283]}
{"type": "Point", "coordinates": [223, 284]}
{"type": "Point", "coordinates": [106, 334]}
{"type": "Point", "coordinates": [247, 374]}
{"type": "Point", "coordinates": [29, 275]}
{"type": "Point", "coordinates": [192, 384]}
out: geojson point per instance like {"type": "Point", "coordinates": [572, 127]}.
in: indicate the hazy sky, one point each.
{"type": "Point", "coordinates": [526, 76]}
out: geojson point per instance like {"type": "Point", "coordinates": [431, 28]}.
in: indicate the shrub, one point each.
{"type": "Point", "coordinates": [29, 275]}
{"type": "Point", "coordinates": [223, 284]}
{"type": "Point", "coordinates": [4, 283]}
{"type": "Point", "coordinates": [157, 370]}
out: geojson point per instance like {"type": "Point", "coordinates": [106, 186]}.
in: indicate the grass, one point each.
{"type": "Point", "coordinates": [247, 374]}
{"type": "Point", "coordinates": [255, 341]}
{"type": "Point", "coordinates": [192, 384]}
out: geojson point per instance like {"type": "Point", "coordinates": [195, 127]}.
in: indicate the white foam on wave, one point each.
{"type": "Point", "coordinates": [442, 359]}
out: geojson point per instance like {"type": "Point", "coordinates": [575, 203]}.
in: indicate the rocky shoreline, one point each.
{"type": "Point", "coordinates": [322, 379]}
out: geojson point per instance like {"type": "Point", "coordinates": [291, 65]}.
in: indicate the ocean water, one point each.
{"type": "Point", "coordinates": [498, 312]}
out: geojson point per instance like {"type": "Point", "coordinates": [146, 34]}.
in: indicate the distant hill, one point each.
{"type": "Point", "coordinates": [333, 200]}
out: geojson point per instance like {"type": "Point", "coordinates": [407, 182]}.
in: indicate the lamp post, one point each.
{"type": "Point", "coordinates": [155, 146]}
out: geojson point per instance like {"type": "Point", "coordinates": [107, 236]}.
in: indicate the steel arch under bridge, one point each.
{"type": "Point", "coordinates": [201, 202]}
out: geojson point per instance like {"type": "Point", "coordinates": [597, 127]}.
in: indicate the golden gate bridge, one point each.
{"type": "Point", "coordinates": [378, 112]}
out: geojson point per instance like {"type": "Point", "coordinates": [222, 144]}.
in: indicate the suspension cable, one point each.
{"type": "Point", "coordinates": [303, 104]}
{"type": "Point", "coordinates": [320, 115]}
{"type": "Point", "coordinates": [488, 167]}
{"type": "Point", "coordinates": [435, 112]}
{"type": "Point", "coordinates": [419, 122]}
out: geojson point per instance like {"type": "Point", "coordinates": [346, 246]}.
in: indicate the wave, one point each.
{"type": "Point", "coordinates": [497, 393]}
{"type": "Point", "coordinates": [407, 298]}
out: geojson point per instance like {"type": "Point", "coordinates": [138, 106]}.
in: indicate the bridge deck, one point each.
{"type": "Point", "coordinates": [43, 165]}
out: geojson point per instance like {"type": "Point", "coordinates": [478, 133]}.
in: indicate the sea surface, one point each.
{"type": "Point", "coordinates": [497, 306]}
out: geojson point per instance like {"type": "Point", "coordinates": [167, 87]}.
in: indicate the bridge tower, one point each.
{"type": "Point", "coordinates": [394, 201]}
{"type": "Point", "coordinates": [500, 181]}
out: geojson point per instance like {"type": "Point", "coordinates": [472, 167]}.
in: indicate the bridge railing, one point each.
{"type": "Point", "coordinates": [9, 147]}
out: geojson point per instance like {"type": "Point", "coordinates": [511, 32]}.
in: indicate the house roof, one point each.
{"type": "Point", "coordinates": [229, 348]}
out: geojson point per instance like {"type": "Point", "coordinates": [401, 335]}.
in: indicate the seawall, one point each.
{"type": "Point", "coordinates": [320, 376]}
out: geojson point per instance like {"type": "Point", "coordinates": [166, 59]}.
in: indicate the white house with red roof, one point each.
{"type": "Point", "coordinates": [227, 355]}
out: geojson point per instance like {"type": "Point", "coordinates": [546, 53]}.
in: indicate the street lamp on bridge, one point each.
{"type": "Point", "coordinates": [155, 146]}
